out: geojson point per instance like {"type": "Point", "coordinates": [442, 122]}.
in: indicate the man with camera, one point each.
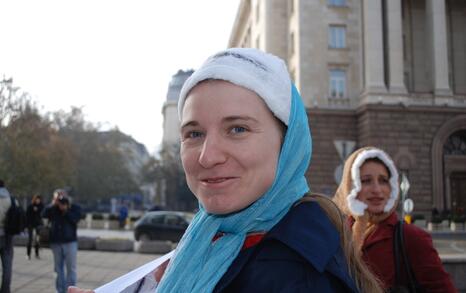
{"type": "Point", "coordinates": [63, 217]}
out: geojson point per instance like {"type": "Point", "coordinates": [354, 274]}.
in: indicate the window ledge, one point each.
{"type": "Point", "coordinates": [339, 49]}
{"type": "Point", "coordinates": [335, 6]}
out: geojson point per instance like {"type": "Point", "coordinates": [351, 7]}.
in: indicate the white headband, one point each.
{"type": "Point", "coordinates": [358, 207]}
{"type": "Point", "coordinates": [263, 73]}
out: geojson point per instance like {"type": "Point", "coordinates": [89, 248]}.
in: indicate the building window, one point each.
{"type": "Point", "coordinates": [291, 6]}
{"type": "Point", "coordinates": [337, 36]}
{"type": "Point", "coordinates": [292, 44]}
{"type": "Point", "coordinates": [336, 2]}
{"type": "Point", "coordinates": [258, 42]}
{"type": "Point", "coordinates": [337, 83]}
{"type": "Point", "coordinates": [456, 144]}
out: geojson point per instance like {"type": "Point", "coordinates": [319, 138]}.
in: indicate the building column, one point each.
{"type": "Point", "coordinates": [373, 47]}
{"type": "Point", "coordinates": [395, 47]}
{"type": "Point", "coordinates": [437, 28]}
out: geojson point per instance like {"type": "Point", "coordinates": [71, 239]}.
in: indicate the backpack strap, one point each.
{"type": "Point", "coordinates": [396, 252]}
{"type": "Point", "coordinates": [13, 202]}
{"type": "Point", "coordinates": [399, 248]}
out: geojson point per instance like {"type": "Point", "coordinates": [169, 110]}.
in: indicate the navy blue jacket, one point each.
{"type": "Point", "coordinates": [301, 253]}
{"type": "Point", "coordinates": [63, 225]}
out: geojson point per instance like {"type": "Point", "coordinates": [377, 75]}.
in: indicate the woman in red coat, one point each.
{"type": "Point", "coordinates": [368, 194]}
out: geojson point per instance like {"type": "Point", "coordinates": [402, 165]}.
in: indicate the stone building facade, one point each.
{"type": "Point", "coordinates": [169, 109]}
{"type": "Point", "coordinates": [387, 73]}
{"type": "Point", "coordinates": [172, 190]}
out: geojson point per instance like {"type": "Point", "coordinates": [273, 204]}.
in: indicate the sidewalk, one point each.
{"type": "Point", "coordinates": [95, 268]}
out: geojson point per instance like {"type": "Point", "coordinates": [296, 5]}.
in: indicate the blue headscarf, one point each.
{"type": "Point", "coordinates": [199, 263]}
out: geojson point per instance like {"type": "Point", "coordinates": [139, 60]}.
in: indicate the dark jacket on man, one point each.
{"type": "Point", "coordinates": [63, 224]}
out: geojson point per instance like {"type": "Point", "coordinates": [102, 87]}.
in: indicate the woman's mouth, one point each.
{"type": "Point", "coordinates": [217, 181]}
{"type": "Point", "coordinates": [376, 200]}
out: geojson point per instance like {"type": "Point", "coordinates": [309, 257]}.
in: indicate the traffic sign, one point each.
{"type": "Point", "coordinates": [338, 173]}
{"type": "Point", "coordinates": [408, 205]}
{"type": "Point", "coordinates": [344, 148]}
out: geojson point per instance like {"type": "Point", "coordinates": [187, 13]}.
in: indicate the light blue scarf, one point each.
{"type": "Point", "coordinates": [199, 263]}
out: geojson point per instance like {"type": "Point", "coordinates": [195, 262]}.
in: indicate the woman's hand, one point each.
{"type": "Point", "coordinates": [159, 271]}
{"type": "Point", "coordinates": [72, 289]}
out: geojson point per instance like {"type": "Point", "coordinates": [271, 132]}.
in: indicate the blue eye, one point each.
{"type": "Point", "coordinates": [238, 129]}
{"type": "Point", "coordinates": [194, 134]}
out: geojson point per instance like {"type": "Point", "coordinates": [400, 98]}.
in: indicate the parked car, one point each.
{"type": "Point", "coordinates": [162, 225]}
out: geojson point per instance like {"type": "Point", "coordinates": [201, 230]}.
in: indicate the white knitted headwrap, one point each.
{"type": "Point", "coordinates": [358, 207]}
{"type": "Point", "coordinates": [262, 73]}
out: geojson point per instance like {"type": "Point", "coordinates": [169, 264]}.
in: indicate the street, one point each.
{"type": "Point", "coordinates": [95, 268]}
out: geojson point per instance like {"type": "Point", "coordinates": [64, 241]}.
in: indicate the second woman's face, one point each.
{"type": "Point", "coordinates": [375, 186]}
{"type": "Point", "coordinates": [230, 143]}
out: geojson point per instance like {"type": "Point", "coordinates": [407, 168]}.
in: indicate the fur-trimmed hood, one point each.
{"type": "Point", "coordinates": [350, 184]}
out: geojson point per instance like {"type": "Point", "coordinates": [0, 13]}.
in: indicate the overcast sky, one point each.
{"type": "Point", "coordinates": [113, 58]}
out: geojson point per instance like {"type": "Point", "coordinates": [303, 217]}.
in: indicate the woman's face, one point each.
{"type": "Point", "coordinates": [375, 186]}
{"type": "Point", "coordinates": [230, 143]}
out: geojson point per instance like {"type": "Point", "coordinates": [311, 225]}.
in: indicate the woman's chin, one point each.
{"type": "Point", "coordinates": [375, 210]}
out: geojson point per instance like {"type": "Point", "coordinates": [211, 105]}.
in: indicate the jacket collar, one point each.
{"type": "Point", "coordinates": [307, 230]}
{"type": "Point", "coordinates": [383, 231]}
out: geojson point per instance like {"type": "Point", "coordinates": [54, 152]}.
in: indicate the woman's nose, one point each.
{"type": "Point", "coordinates": [212, 152]}
{"type": "Point", "coordinates": [376, 187]}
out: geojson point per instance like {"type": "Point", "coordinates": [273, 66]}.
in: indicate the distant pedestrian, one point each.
{"type": "Point", "coordinates": [6, 241]}
{"type": "Point", "coordinates": [64, 217]}
{"type": "Point", "coordinates": [122, 216]}
{"type": "Point", "coordinates": [34, 224]}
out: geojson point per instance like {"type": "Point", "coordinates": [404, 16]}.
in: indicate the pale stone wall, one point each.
{"type": "Point", "coordinates": [415, 62]}
{"type": "Point", "coordinates": [241, 32]}
{"type": "Point", "coordinates": [276, 27]}
{"type": "Point", "coordinates": [458, 43]}
{"type": "Point", "coordinates": [171, 123]}
{"type": "Point", "coordinates": [258, 24]}
{"type": "Point", "coordinates": [313, 52]}
{"type": "Point", "coordinates": [405, 64]}
{"type": "Point", "coordinates": [293, 39]}
{"type": "Point", "coordinates": [421, 77]}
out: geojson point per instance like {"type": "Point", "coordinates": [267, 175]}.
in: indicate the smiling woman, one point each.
{"type": "Point", "coordinates": [368, 195]}
{"type": "Point", "coordinates": [245, 149]}
{"type": "Point", "coordinates": [229, 146]}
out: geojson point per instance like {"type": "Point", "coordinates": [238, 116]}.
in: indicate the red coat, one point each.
{"type": "Point", "coordinates": [378, 253]}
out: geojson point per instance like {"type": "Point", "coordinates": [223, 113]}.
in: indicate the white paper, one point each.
{"type": "Point", "coordinates": [129, 282]}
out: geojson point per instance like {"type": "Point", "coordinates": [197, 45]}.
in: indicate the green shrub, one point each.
{"type": "Point", "coordinates": [134, 218]}
{"type": "Point", "coordinates": [97, 216]}
{"type": "Point", "coordinates": [416, 217]}
{"type": "Point", "coordinates": [459, 218]}
{"type": "Point", "coordinates": [436, 219]}
{"type": "Point", "coordinates": [113, 217]}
